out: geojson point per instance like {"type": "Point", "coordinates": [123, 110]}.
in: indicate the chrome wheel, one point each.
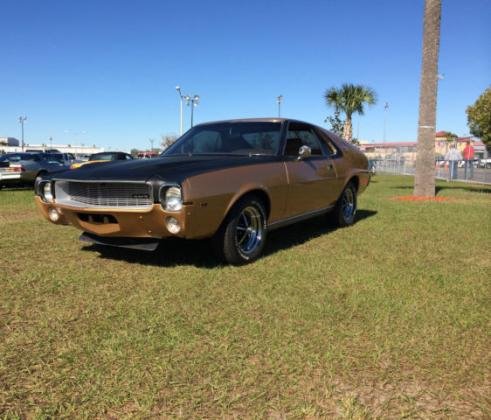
{"type": "Point", "coordinates": [348, 204]}
{"type": "Point", "coordinates": [249, 230]}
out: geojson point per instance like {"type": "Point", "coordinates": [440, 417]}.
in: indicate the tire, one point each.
{"type": "Point", "coordinates": [488, 165]}
{"type": "Point", "coordinates": [346, 206]}
{"type": "Point", "coordinates": [242, 236]}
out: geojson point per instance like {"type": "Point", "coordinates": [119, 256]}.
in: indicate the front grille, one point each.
{"type": "Point", "coordinates": [104, 194]}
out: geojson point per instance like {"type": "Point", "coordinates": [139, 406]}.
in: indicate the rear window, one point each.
{"type": "Point", "coordinates": [16, 157]}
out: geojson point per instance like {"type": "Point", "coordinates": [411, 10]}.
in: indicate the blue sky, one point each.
{"type": "Point", "coordinates": [105, 71]}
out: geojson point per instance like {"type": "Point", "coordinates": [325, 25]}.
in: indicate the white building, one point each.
{"type": "Point", "coordinates": [7, 146]}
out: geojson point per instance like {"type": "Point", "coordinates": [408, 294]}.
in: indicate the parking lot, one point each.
{"type": "Point", "coordinates": [349, 322]}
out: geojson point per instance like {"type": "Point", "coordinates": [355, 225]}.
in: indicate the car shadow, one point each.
{"type": "Point", "coordinates": [198, 253]}
{"type": "Point", "coordinates": [469, 188]}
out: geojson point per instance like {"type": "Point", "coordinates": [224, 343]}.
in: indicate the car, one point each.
{"type": "Point", "coordinates": [102, 157]}
{"type": "Point", "coordinates": [485, 163]}
{"type": "Point", "coordinates": [20, 169]}
{"type": "Point", "coordinates": [65, 158]}
{"type": "Point", "coordinates": [232, 181]}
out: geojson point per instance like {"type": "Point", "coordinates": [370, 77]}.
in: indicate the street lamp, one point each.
{"type": "Point", "coordinates": [192, 101]}
{"type": "Point", "coordinates": [181, 97]}
{"type": "Point", "coordinates": [279, 99]}
{"type": "Point", "coordinates": [21, 122]}
{"type": "Point", "coordinates": [386, 109]}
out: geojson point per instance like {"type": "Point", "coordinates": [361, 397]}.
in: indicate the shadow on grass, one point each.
{"type": "Point", "coordinates": [475, 189]}
{"type": "Point", "coordinates": [174, 252]}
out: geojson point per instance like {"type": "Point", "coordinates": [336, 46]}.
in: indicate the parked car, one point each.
{"type": "Point", "coordinates": [232, 181]}
{"type": "Point", "coordinates": [18, 169]}
{"type": "Point", "coordinates": [65, 158]}
{"type": "Point", "coordinates": [475, 163]}
{"type": "Point", "coordinates": [485, 163]}
{"type": "Point", "coordinates": [101, 158]}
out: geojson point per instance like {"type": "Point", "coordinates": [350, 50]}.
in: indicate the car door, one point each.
{"type": "Point", "coordinates": [310, 179]}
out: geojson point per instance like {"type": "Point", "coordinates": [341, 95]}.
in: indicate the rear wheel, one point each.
{"type": "Point", "coordinates": [242, 236]}
{"type": "Point", "coordinates": [345, 210]}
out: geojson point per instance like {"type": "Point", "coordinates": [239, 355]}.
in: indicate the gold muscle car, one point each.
{"type": "Point", "coordinates": [231, 181]}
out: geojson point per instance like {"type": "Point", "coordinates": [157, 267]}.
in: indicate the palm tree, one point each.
{"type": "Point", "coordinates": [350, 99]}
{"type": "Point", "coordinates": [424, 179]}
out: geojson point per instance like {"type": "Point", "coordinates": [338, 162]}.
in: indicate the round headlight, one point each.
{"type": "Point", "coordinates": [47, 192]}
{"type": "Point", "coordinates": [173, 199]}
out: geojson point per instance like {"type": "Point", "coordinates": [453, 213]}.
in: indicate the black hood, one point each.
{"type": "Point", "coordinates": [168, 168]}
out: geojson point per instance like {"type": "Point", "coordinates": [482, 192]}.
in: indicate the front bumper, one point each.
{"type": "Point", "coordinates": [111, 222]}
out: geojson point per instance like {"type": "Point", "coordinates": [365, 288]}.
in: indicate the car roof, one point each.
{"type": "Point", "coordinates": [239, 120]}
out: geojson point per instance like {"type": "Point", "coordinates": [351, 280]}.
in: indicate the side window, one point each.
{"type": "Point", "coordinates": [302, 135]}
{"type": "Point", "coordinates": [332, 150]}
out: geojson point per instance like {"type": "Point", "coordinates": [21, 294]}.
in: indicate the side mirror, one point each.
{"type": "Point", "coordinates": [304, 152]}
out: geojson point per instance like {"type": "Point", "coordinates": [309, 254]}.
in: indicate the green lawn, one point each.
{"type": "Point", "coordinates": [388, 318]}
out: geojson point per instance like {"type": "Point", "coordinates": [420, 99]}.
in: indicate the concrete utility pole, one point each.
{"type": "Point", "coordinates": [279, 99]}
{"type": "Point", "coordinates": [21, 122]}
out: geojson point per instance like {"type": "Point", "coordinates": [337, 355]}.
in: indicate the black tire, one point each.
{"type": "Point", "coordinates": [488, 165]}
{"type": "Point", "coordinates": [242, 236]}
{"type": "Point", "coordinates": [345, 211]}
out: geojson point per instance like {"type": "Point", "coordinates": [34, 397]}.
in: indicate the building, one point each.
{"type": "Point", "coordinates": [8, 142]}
{"type": "Point", "coordinates": [407, 150]}
{"type": "Point", "coordinates": [12, 146]}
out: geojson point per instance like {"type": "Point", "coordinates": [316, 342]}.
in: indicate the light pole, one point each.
{"type": "Point", "coordinates": [386, 109]}
{"type": "Point", "coordinates": [279, 99]}
{"type": "Point", "coordinates": [51, 142]}
{"type": "Point", "coordinates": [21, 122]}
{"type": "Point", "coordinates": [181, 97]}
{"type": "Point", "coordinates": [151, 144]}
{"type": "Point", "coordinates": [192, 101]}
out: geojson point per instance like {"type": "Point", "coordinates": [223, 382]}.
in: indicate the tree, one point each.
{"type": "Point", "coordinates": [167, 140]}
{"type": "Point", "coordinates": [134, 152]}
{"type": "Point", "coordinates": [350, 99]}
{"type": "Point", "coordinates": [450, 137]}
{"type": "Point", "coordinates": [336, 123]}
{"type": "Point", "coordinates": [479, 118]}
{"type": "Point", "coordinates": [424, 179]}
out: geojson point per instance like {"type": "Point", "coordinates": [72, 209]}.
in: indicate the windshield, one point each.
{"type": "Point", "coordinates": [240, 138]}
{"type": "Point", "coordinates": [54, 157]}
{"type": "Point", "coordinates": [104, 156]}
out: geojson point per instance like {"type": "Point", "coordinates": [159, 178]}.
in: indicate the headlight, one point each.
{"type": "Point", "coordinates": [172, 201]}
{"type": "Point", "coordinates": [47, 192]}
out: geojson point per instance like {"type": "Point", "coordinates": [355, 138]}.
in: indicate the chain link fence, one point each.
{"type": "Point", "coordinates": [450, 171]}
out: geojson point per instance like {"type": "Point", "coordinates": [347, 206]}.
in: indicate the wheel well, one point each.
{"type": "Point", "coordinates": [355, 181]}
{"type": "Point", "coordinates": [262, 195]}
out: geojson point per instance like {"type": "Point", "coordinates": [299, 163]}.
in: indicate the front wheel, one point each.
{"type": "Point", "coordinates": [242, 236]}
{"type": "Point", "coordinates": [345, 210]}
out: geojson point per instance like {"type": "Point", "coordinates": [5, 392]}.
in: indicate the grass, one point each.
{"type": "Point", "coordinates": [388, 318]}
